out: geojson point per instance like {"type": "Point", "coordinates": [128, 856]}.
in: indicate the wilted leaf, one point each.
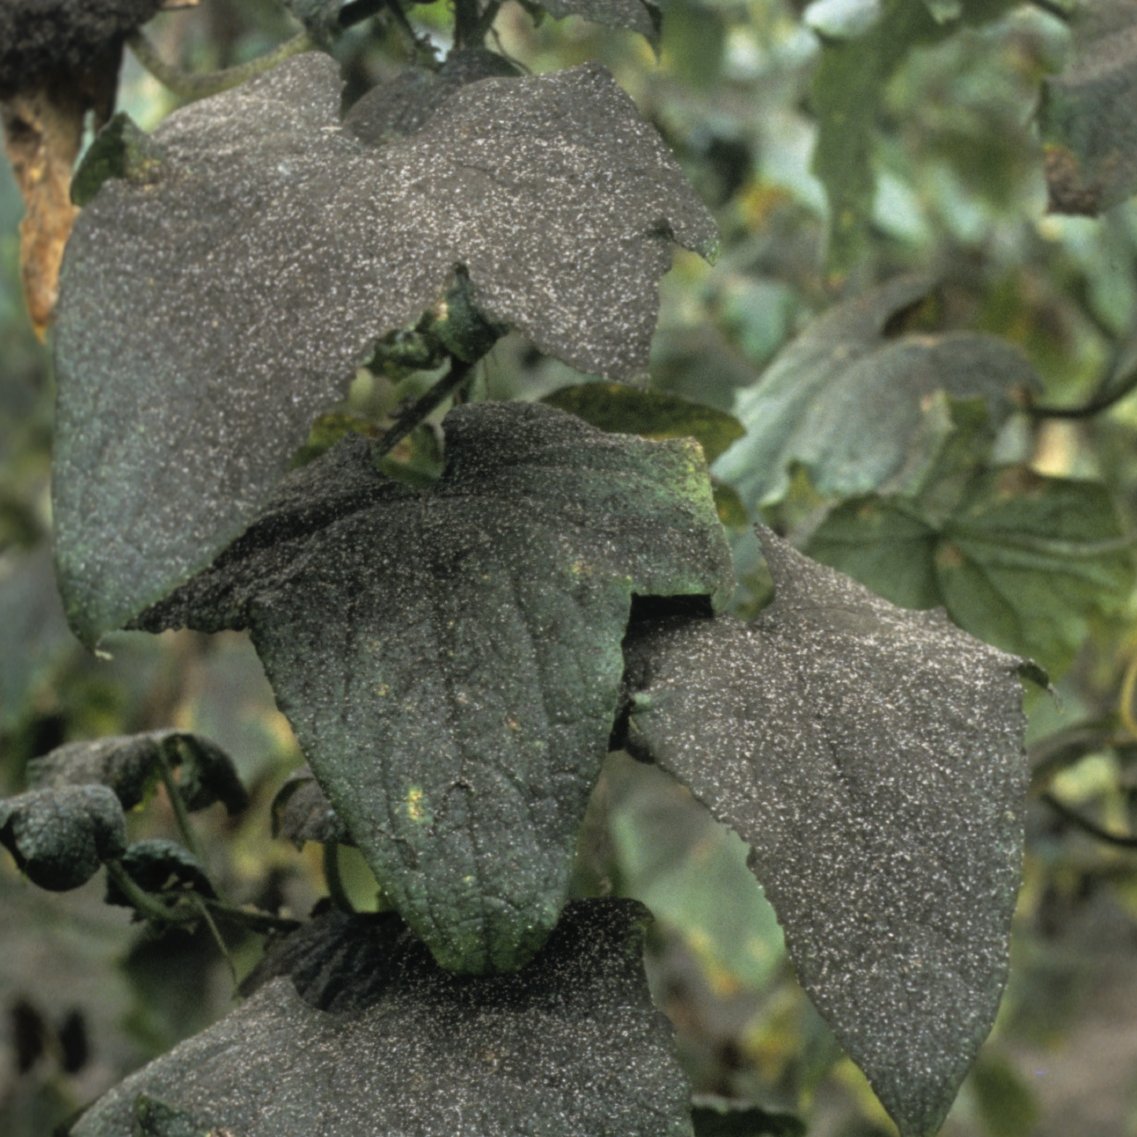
{"type": "Point", "coordinates": [157, 865]}
{"type": "Point", "coordinates": [1086, 115]}
{"type": "Point", "coordinates": [873, 760]}
{"type": "Point", "coordinates": [569, 1047]}
{"type": "Point", "coordinates": [641, 16]}
{"type": "Point", "coordinates": [130, 764]}
{"type": "Point", "coordinates": [301, 812]}
{"type": "Point", "coordinates": [863, 408]}
{"type": "Point", "coordinates": [560, 202]}
{"type": "Point", "coordinates": [450, 658]}
{"type": "Point", "coordinates": [61, 836]}
{"type": "Point", "coordinates": [652, 414]}
{"type": "Point", "coordinates": [1014, 545]}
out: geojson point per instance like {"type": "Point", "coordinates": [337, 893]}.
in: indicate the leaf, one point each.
{"type": "Point", "coordinates": [159, 865]}
{"type": "Point", "coordinates": [715, 1117]}
{"type": "Point", "coordinates": [641, 16]}
{"type": "Point", "coordinates": [301, 813]}
{"type": "Point", "coordinates": [450, 658]}
{"type": "Point", "coordinates": [569, 1047]}
{"type": "Point", "coordinates": [862, 408]}
{"type": "Point", "coordinates": [1086, 114]}
{"type": "Point", "coordinates": [61, 836]}
{"type": "Point", "coordinates": [559, 201]}
{"type": "Point", "coordinates": [652, 414]}
{"type": "Point", "coordinates": [873, 760]}
{"type": "Point", "coordinates": [1015, 544]}
{"type": "Point", "coordinates": [130, 764]}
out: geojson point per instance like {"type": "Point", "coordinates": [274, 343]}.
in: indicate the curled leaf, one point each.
{"type": "Point", "coordinates": [301, 812]}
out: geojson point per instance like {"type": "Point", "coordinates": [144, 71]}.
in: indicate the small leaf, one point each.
{"type": "Point", "coordinates": [130, 764]}
{"type": "Point", "coordinates": [559, 201]}
{"type": "Point", "coordinates": [1086, 114]}
{"type": "Point", "coordinates": [856, 404]}
{"type": "Point", "coordinates": [159, 865]}
{"type": "Point", "coordinates": [641, 16]}
{"type": "Point", "coordinates": [61, 836]}
{"type": "Point", "coordinates": [651, 414]}
{"type": "Point", "coordinates": [301, 813]}
{"type": "Point", "coordinates": [450, 658]}
{"type": "Point", "coordinates": [873, 759]}
{"type": "Point", "coordinates": [569, 1047]}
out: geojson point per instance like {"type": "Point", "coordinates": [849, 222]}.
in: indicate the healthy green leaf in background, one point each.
{"type": "Point", "coordinates": [450, 659]}
{"type": "Point", "coordinates": [1087, 117]}
{"type": "Point", "coordinates": [1020, 560]}
{"type": "Point", "coordinates": [854, 402]}
{"type": "Point", "coordinates": [222, 306]}
{"type": "Point", "coordinates": [873, 760]}
{"type": "Point", "coordinates": [570, 1045]}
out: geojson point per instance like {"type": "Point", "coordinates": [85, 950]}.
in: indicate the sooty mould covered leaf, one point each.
{"type": "Point", "coordinates": [301, 812]}
{"type": "Point", "coordinates": [158, 865]}
{"type": "Point", "coordinates": [641, 16]}
{"type": "Point", "coordinates": [570, 1046]}
{"type": "Point", "coordinates": [852, 401]}
{"type": "Point", "coordinates": [61, 836]}
{"type": "Point", "coordinates": [450, 658]}
{"type": "Point", "coordinates": [130, 764]}
{"type": "Point", "coordinates": [873, 759]}
{"type": "Point", "coordinates": [560, 202]}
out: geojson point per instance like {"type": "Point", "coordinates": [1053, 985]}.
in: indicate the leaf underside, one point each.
{"type": "Point", "coordinates": [450, 659]}
{"type": "Point", "coordinates": [569, 1047]}
{"type": "Point", "coordinates": [560, 201]}
{"type": "Point", "coordinates": [873, 760]}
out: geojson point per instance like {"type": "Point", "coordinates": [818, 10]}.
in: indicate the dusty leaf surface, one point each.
{"type": "Point", "coordinates": [571, 1046]}
{"type": "Point", "coordinates": [561, 202]}
{"type": "Point", "coordinates": [450, 658]}
{"type": "Point", "coordinates": [873, 760]}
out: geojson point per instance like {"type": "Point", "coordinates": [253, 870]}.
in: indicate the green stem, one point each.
{"type": "Point", "coordinates": [143, 902]}
{"type": "Point", "coordinates": [251, 918]}
{"type": "Point", "coordinates": [1120, 840]}
{"type": "Point", "coordinates": [418, 411]}
{"type": "Point", "coordinates": [178, 805]}
{"type": "Point", "coordinates": [485, 22]}
{"type": "Point", "coordinates": [334, 878]}
{"type": "Point", "coordinates": [187, 86]}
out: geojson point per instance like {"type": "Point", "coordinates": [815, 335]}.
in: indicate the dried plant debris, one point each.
{"type": "Point", "coordinates": [61, 836]}
{"type": "Point", "coordinates": [873, 759]}
{"type": "Point", "coordinates": [450, 658]}
{"type": "Point", "coordinates": [59, 59]}
{"type": "Point", "coordinates": [571, 1046]}
{"type": "Point", "coordinates": [560, 202]}
{"type": "Point", "coordinates": [131, 764]}
{"type": "Point", "coordinates": [1089, 129]}
{"type": "Point", "coordinates": [853, 401]}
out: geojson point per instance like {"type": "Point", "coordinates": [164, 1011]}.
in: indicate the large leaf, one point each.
{"type": "Point", "coordinates": [219, 303]}
{"type": "Point", "coordinates": [873, 760]}
{"type": "Point", "coordinates": [856, 404]}
{"type": "Point", "coordinates": [450, 659]}
{"type": "Point", "coordinates": [1014, 544]}
{"type": "Point", "coordinates": [569, 1047]}
{"type": "Point", "coordinates": [1086, 115]}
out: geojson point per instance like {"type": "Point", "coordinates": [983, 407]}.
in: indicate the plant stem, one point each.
{"type": "Point", "coordinates": [467, 24]}
{"type": "Point", "coordinates": [178, 805]}
{"type": "Point", "coordinates": [334, 878]}
{"type": "Point", "coordinates": [1123, 841]}
{"type": "Point", "coordinates": [418, 411]}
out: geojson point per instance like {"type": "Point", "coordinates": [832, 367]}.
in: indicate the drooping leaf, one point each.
{"type": "Point", "coordinates": [1014, 544]}
{"type": "Point", "coordinates": [560, 202]}
{"type": "Point", "coordinates": [157, 865]}
{"type": "Point", "coordinates": [61, 836]}
{"type": "Point", "coordinates": [301, 812]}
{"type": "Point", "coordinates": [1086, 115]}
{"type": "Point", "coordinates": [641, 16]}
{"type": "Point", "coordinates": [571, 1046]}
{"type": "Point", "coordinates": [130, 764]}
{"type": "Point", "coordinates": [653, 414]}
{"type": "Point", "coordinates": [856, 404]}
{"type": "Point", "coordinates": [873, 760]}
{"type": "Point", "coordinates": [450, 658]}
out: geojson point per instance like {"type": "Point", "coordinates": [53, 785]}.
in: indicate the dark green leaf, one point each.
{"type": "Point", "coordinates": [561, 203]}
{"type": "Point", "coordinates": [158, 865]}
{"type": "Point", "coordinates": [301, 813]}
{"type": "Point", "coordinates": [714, 1117]}
{"type": "Point", "coordinates": [131, 764]}
{"type": "Point", "coordinates": [873, 760]}
{"type": "Point", "coordinates": [1016, 544]}
{"type": "Point", "coordinates": [119, 150]}
{"type": "Point", "coordinates": [571, 1046]}
{"type": "Point", "coordinates": [61, 836]}
{"type": "Point", "coordinates": [652, 414]}
{"type": "Point", "coordinates": [863, 408]}
{"type": "Point", "coordinates": [1086, 115]}
{"type": "Point", "coordinates": [450, 658]}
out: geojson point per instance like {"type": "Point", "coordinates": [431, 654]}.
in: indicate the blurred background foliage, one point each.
{"type": "Point", "coordinates": [1018, 518]}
